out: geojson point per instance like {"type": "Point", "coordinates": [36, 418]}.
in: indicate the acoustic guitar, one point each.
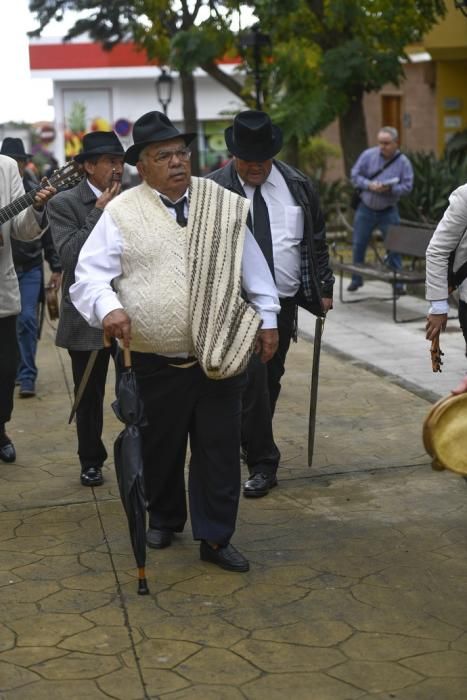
{"type": "Point", "coordinates": [69, 174]}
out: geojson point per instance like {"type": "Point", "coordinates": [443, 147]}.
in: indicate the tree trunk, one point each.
{"type": "Point", "coordinates": [190, 115]}
{"type": "Point", "coordinates": [352, 131]}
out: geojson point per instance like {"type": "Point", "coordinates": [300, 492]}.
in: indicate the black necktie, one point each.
{"type": "Point", "coordinates": [179, 209]}
{"type": "Point", "coordinates": [262, 228]}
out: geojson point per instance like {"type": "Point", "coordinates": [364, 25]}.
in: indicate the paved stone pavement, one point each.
{"type": "Point", "coordinates": [358, 580]}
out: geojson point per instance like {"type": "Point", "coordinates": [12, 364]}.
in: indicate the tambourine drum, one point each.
{"type": "Point", "coordinates": [51, 299]}
{"type": "Point", "coordinates": [428, 424]}
{"type": "Point", "coordinates": [445, 434]}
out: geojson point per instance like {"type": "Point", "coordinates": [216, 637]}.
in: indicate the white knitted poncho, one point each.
{"type": "Point", "coordinates": [181, 287]}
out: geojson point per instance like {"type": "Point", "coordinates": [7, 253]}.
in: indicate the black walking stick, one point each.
{"type": "Point", "coordinates": [319, 327]}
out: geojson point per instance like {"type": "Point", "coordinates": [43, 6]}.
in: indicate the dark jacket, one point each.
{"type": "Point", "coordinates": [28, 254]}
{"type": "Point", "coordinates": [72, 216]}
{"type": "Point", "coordinates": [317, 279]}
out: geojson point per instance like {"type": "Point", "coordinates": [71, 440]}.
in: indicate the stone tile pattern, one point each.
{"type": "Point", "coordinates": [358, 577]}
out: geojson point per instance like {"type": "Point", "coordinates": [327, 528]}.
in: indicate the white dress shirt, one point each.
{"type": "Point", "coordinates": [96, 191]}
{"type": "Point", "coordinates": [287, 223]}
{"type": "Point", "coordinates": [100, 262]}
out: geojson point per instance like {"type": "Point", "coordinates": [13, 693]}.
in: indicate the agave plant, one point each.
{"type": "Point", "coordinates": [434, 180]}
{"type": "Point", "coordinates": [456, 150]}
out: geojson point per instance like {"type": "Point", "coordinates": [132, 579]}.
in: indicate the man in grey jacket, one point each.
{"type": "Point", "coordinates": [287, 222]}
{"type": "Point", "coordinates": [28, 259]}
{"type": "Point", "coordinates": [25, 226]}
{"type": "Point", "coordinates": [449, 238]}
{"type": "Point", "coordinates": [73, 215]}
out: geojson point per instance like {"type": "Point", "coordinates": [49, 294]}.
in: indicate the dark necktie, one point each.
{"type": "Point", "coordinates": [179, 209]}
{"type": "Point", "coordinates": [262, 228]}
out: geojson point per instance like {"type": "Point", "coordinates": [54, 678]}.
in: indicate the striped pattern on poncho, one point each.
{"type": "Point", "coordinates": [224, 327]}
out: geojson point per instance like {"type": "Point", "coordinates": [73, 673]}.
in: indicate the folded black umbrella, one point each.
{"type": "Point", "coordinates": [128, 408]}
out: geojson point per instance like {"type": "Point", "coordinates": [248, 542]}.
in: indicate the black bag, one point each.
{"type": "Point", "coordinates": [355, 199]}
{"type": "Point", "coordinates": [455, 279]}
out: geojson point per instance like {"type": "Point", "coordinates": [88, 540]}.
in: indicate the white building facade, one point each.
{"type": "Point", "coordinates": [95, 89]}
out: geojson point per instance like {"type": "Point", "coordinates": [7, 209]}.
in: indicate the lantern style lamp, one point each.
{"type": "Point", "coordinates": [164, 85]}
{"type": "Point", "coordinates": [256, 40]}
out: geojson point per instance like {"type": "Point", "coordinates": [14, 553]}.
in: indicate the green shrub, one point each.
{"type": "Point", "coordinates": [314, 156]}
{"type": "Point", "coordinates": [434, 180]}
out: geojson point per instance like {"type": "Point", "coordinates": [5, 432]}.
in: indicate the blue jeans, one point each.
{"type": "Point", "coordinates": [365, 222]}
{"type": "Point", "coordinates": [26, 324]}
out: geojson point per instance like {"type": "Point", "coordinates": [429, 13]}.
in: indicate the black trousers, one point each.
{"type": "Point", "coordinates": [260, 398]}
{"type": "Point", "coordinates": [9, 358]}
{"type": "Point", "coordinates": [463, 320]}
{"type": "Point", "coordinates": [90, 412]}
{"type": "Point", "coordinates": [181, 405]}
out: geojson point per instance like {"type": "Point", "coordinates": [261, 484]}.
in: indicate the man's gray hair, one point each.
{"type": "Point", "coordinates": [393, 133]}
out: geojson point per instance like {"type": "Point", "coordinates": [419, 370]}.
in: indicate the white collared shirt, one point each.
{"type": "Point", "coordinates": [287, 223]}
{"type": "Point", "coordinates": [96, 191]}
{"type": "Point", "coordinates": [100, 262]}
{"type": "Point", "coordinates": [171, 210]}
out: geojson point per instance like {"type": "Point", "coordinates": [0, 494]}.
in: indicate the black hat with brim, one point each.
{"type": "Point", "coordinates": [100, 143]}
{"type": "Point", "coordinates": [153, 127]}
{"type": "Point", "coordinates": [253, 136]}
{"type": "Point", "coordinates": [14, 148]}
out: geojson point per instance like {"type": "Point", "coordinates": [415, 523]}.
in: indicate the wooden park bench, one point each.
{"type": "Point", "coordinates": [410, 241]}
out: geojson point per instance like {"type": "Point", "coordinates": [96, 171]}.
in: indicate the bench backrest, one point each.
{"type": "Point", "coordinates": [408, 240]}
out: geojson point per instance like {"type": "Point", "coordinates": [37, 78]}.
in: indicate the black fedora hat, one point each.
{"type": "Point", "coordinates": [153, 127]}
{"type": "Point", "coordinates": [99, 143]}
{"type": "Point", "coordinates": [14, 148]}
{"type": "Point", "coordinates": [253, 136]}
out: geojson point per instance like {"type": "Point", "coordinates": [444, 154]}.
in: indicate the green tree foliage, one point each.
{"type": "Point", "coordinates": [325, 54]}
{"type": "Point", "coordinates": [328, 53]}
{"type": "Point", "coordinates": [434, 180]}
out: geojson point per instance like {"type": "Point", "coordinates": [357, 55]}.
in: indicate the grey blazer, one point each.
{"type": "Point", "coordinates": [72, 216]}
{"type": "Point", "coordinates": [24, 226]}
{"type": "Point", "coordinates": [450, 235]}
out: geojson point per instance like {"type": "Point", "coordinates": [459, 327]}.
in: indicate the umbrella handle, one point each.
{"type": "Point", "coordinates": [127, 358]}
{"type": "Point", "coordinates": [126, 351]}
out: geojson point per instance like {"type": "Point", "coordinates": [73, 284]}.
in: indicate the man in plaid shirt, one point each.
{"type": "Point", "coordinates": [286, 220]}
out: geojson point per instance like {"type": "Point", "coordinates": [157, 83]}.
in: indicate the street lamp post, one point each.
{"type": "Point", "coordinates": [256, 40]}
{"type": "Point", "coordinates": [462, 6]}
{"type": "Point", "coordinates": [164, 85]}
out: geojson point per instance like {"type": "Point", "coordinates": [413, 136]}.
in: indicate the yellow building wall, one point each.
{"type": "Point", "coordinates": [451, 99]}
{"type": "Point", "coordinates": [447, 45]}
{"type": "Point", "coordinates": [448, 38]}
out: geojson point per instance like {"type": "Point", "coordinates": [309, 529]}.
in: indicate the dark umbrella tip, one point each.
{"type": "Point", "coordinates": [143, 587]}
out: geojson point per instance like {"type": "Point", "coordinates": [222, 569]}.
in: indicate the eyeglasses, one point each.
{"type": "Point", "coordinates": [183, 154]}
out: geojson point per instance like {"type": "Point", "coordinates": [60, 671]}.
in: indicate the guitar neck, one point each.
{"type": "Point", "coordinates": [68, 175]}
{"type": "Point", "coordinates": [11, 210]}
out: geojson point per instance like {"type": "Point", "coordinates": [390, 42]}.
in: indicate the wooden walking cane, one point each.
{"type": "Point", "coordinates": [85, 378]}
{"type": "Point", "coordinates": [319, 327]}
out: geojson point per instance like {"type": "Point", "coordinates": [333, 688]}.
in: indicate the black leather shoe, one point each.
{"type": "Point", "coordinates": [8, 452]}
{"type": "Point", "coordinates": [259, 485]}
{"type": "Point", "coordinates": [353, 286]}
{"type": "Point", "coordinates": [158, 539]}
{"type": "Point", "coordinates": [92, 477]}
{"type": "Point", "coordinates": [227, 557]}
